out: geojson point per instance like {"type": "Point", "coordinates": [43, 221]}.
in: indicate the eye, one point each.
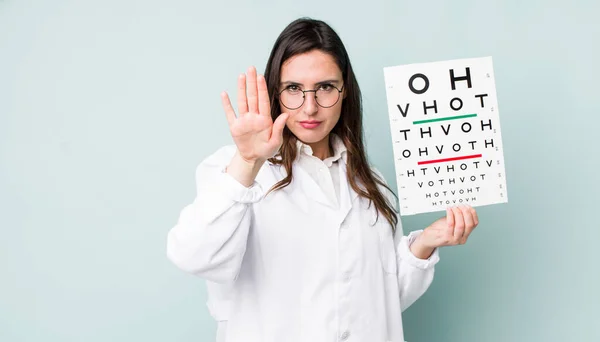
{"type": "Point", "coordinates": [292, 88]}
{"type": "Point", "coordinates": [326, 87]}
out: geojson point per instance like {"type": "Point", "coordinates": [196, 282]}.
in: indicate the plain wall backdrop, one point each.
{"type": "Point", "coordinates": [106, 108]}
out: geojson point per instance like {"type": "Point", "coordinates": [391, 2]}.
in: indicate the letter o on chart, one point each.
{"type": "Point", "coordinates": [412, 80]}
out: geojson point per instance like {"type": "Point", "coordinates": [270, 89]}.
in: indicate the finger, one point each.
{"type": "Point", "coordinates": [242, 102]}
{"type": "Point", "coordinates": [459, 226]}
{"type": "Point", "coordinates": [475, 217]}
{"type": "Point", "coordinates": [229, 112]}
{"type": "Point", "coordinates": [469, 224]}
{"type": "Point", "coordinates": [252, 91]}
{"type": "Point", "coordinates": [278, 126]}
{"type": "Point", "coordinates": [475, 222]}
{"type": "Point", "coordinates": [450, 220]}
{"type": "Point", "coordinates": [264, 106]}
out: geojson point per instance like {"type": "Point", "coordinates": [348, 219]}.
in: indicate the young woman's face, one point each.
{"type": "Point", "coordinates": [314, 70]}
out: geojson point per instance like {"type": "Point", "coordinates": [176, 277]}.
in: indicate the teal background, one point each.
{"type": "Point", "coordinates": [106, 107]}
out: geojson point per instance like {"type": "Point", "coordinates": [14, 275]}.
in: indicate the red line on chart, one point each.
{"type": "Point", "coordinates": [448, 159]}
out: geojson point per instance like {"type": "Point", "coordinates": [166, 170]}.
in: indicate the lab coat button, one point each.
{"type": "Point", "coordinates": [345, 335]}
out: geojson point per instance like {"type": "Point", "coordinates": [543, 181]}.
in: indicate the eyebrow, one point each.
{"type": "Point", "coordinates": [318, 83]}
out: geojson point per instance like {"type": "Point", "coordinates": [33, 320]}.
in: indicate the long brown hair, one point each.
{"type": "Point", "coordinates": [301, 36]}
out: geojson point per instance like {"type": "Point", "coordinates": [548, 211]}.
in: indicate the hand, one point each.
{"type": "Point", "coordinates": [453, 229]}
{"type": "Point", "coordinates": [254, 133]}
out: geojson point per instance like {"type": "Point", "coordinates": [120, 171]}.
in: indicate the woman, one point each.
{"type": "Point", "coordinates": [296, 235]}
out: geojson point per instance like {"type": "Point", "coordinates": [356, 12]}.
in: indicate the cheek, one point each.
{"type": "Point", "coordinates": [292, 113]}
{"type": "Point", "coordinates": [291, 122]}
{"type": "Point", "coordinates": [334, 113]}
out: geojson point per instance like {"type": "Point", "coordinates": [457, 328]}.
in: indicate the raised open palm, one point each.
{"type": "Point", "coordinates": [255, 134]}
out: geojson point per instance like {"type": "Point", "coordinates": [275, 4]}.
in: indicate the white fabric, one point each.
{"type": "Point", "coordinates": [324, 172]}
{"type": "Point", "coordinates": [296, 265]}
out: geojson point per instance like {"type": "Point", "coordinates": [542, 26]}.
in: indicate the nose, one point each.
{"type": "Point", "coordinates": [310, 106]}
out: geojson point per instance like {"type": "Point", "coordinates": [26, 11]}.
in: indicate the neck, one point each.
{"type": "Point", "coordinates": [322, 149]}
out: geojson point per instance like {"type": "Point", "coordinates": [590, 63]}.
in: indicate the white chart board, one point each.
{"type": "Point", "coordinates": [445, 127]}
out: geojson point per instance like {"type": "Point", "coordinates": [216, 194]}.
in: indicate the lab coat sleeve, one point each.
{"type": "Point", "coordinates": [209, 239]}
{"type": "Point", "coordinates": [414, 275]}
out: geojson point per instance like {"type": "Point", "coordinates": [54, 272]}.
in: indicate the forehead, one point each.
{"type": "Point", "coordinates": [310, 67]}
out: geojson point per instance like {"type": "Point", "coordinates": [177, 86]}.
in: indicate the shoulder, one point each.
{"type": "Point", "coordinates": [377, 173]}
{"type": "Point", "coordinates": [379, 176]}
{"type": "Point", "coordinates": [383, 185]}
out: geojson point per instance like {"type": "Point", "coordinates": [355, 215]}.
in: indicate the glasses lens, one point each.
{"type": "Point", "coordinates": [292, 99]}
{"type": "Point", "coordinates": [327, 97]}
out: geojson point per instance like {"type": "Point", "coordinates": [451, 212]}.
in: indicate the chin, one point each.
{"type": "Point", "coordinates": [311, 137]}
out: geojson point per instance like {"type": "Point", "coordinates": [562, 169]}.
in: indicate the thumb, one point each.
{"type": "Point", "coordinates": [278, 126]}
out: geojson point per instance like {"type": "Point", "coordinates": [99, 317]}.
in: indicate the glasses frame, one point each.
{"type": "Point", "coordinates": [316, 98]}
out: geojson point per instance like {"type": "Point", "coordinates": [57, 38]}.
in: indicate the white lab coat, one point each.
{"type": "Point", "coordinates": [292, 266]}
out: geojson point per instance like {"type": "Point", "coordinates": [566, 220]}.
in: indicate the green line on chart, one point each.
{"type": "Point", "coordinates": [445, 119]}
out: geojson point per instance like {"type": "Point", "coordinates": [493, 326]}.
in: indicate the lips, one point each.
{"type": "Point", "coordinates": [309, 124]}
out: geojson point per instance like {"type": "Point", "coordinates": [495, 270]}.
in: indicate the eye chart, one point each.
{"type": "Point", "coordinates": [445, 127]}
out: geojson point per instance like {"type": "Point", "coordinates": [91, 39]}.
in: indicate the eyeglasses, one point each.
{"type": "Point", "coordinates": [292, 97]}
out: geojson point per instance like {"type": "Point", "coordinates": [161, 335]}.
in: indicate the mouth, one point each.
{"type": "Point", "coordinates": [310, 124]}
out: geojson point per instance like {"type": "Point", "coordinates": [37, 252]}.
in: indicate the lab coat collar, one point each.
{"type": "Point", "coordinates": [339, 150]}
{"type": "Point", "coordinates": [347, 194]}
{"type": "Point", "coordinates": [303, 179]}
{"type": "Point", "coordinates": [313, 193]}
